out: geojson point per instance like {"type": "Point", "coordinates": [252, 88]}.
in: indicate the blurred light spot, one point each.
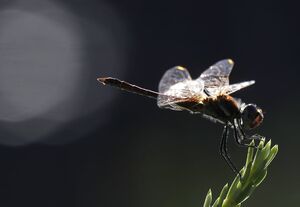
{"type": "Point", "coordinates": [34, 76]}
{"type": "Point", "coordinates": [42, 64]}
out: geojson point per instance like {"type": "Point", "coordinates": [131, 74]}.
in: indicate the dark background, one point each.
{"type": "Point", "coordinates": [68, 141]}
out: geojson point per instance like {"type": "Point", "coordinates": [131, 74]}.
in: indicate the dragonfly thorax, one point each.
{"type": "Point", "coordinates": [222, 107]}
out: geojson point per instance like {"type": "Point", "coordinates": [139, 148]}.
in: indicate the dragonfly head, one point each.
{"type": "Point", "coordinates": [251, 116]}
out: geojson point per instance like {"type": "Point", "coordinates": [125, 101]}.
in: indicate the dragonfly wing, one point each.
{"type": "Point", "coordinates": [180, 92]}
{"type": "Point", "coordinates": [217, 75]}
{"type": "Point", "coordinates": [169, 102]}
{"type": "Point", "coordinates": [171, 88]}
{"type": "Point", "coordinates": [229, 89]}
{"type": "Point", "coordinates": [172, 76]}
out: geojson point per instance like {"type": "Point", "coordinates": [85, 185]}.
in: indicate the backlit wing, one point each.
{"type": "Point", "coordinates": [217, 75]}
{"type": "Point", "coordinates": [229, 89]}
{"type": "Point", "coordinates": [172, 76]}
{"type": "Point", "coordinates": [177, 86]}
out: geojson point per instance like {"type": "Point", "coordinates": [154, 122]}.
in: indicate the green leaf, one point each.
{"type": "Point", "coordinates": [216, 203]}
{"type": "Point", "coordinates": [260, 177]}
{"type": "Point", "coordinates": [253, 173]}
{"type": "Point", "coordinates": [219, 201]}
{"type": "Point", "coordinates": [272, 155]}
{"type": "Point", "coordinates": [208, 199]}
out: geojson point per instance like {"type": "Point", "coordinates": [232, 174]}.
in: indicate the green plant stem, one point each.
{"type": "Point", "coordinates": [253, 173]}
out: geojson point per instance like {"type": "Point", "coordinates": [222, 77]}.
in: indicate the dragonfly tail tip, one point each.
{"type": "Point", "coordinates": [101, 80]}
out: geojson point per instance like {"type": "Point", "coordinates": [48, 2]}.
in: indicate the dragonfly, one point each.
{"type": "Point", "coordinates": [209, 95]}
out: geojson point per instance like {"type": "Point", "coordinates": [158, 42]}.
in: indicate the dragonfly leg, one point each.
{"type": "Point", "coordinates": [240, 137]}
{"type": "Point", "coordinates": [248, 137]}
{"type": "Point", "coordinates": [224, 152]}
{"type": "Point", "coordinates": [256, 137]}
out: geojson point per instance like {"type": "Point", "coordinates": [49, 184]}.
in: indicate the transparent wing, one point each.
{"type": "Point", "coordinates": [217, 75]}
{"type": "Point", "coordinates": [180, 92]}
{"type": "Point", "coordinates": [169, 102]}
{"type": "Point", "coordinates": [172, 89]}
{"type": "Point", "coordinates": [177, 86]}
{"type": "Point", "coordinates": [172, 76]}
{"type": "Point", "coordinates": [235, 87]}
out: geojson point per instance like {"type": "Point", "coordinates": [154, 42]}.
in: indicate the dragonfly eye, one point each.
{"type": "Point", "coordinates": [251, 116]}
